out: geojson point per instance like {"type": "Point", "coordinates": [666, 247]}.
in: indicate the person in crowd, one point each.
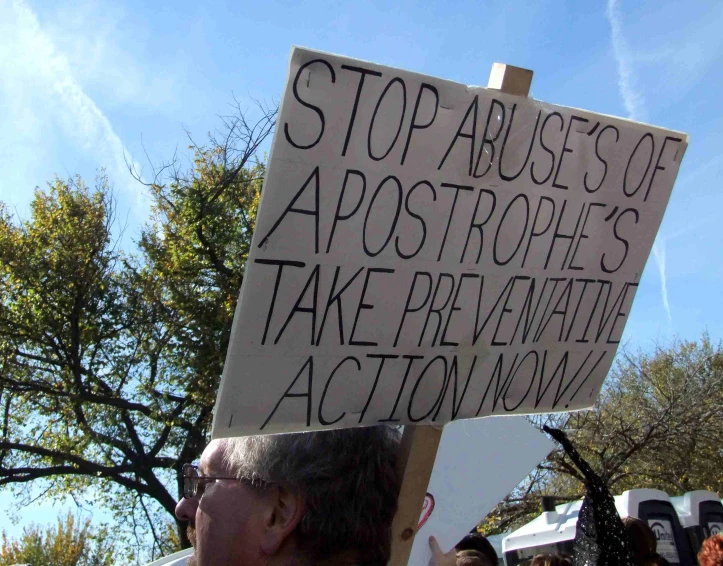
{"type": "Point", "coordinates": [313, 498]}
{"type": "Point", "coordinates": [472, 557]}
{"type": "Point", "coordinates": [473, 550]}
{"type": "Point", "coordinates": [643, 543]}
{"type": "Point", "coordinates": [478, 542]}
{"type": "Point", "coordinates": [551, 560]}
{"type": "Point", "coordinates": [656, 560]}
{"type": "Point", "coordinates": [711, 551]}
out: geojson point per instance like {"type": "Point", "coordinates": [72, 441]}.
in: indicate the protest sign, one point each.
{"type": "Point", "coordinates": [478, 463]}
{"type": "Point", "coordinates": [426, 252]}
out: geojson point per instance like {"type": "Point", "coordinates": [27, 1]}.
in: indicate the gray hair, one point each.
{"type": "Point", "coordinates": [347, 477]}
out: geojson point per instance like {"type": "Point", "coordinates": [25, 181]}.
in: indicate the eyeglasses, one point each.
{"type": "Point", "coordinates": [194, 483]}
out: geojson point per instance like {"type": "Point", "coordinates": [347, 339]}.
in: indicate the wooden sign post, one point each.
{"type": "Point", "coordinates": [419, 444]}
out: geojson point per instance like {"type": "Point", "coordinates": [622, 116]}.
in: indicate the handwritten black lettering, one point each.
{"type": "Point", "coordinates": [288, 395]}
{"type": "Point", "coordinates": [601, 158]}
{"type": "Point", "coordinates": [463, 276]}
{"type": "Point", "coordinates": [473, 107]}
{"type": "Point", "coordinates": [419, 218]}
{"type": "Point", "coordinates": [365, 306]}
{"type": "Point", "coordinates": [646, 136]}
{"type": "Point", "coordinates": [474, 224]}
{"type": "Point", "coordinates": [362, 75]}
{"type": "Point", "coordinates": [546, 149]}
{"type": "Point", "coordinates": [280, 263]}
{"type": "Point", "coordinates": [657, 163]}
{"type": "Point", "coordinates": [394, 81]}
{"type": "Point", "coordinates": [369, 252]}
{"type": "Point", "coordinates": [487, 141]}
{"type": "Point", "coordinates": [335, 297]}
{"type": "Point", "coordinates": [437, 311]}
{"type": "Point", "coordinates": [503, 234]}
{"type": "Point", "coordinates": [532, 375]}
{"type": "Point", "coordinates": [625, 243]}
{"type": "Point", "coordinates": [456, 188]}
{"type": "Point", "coordinates": [290, 208]}
{"type": "Point", "coordinates": [412, 287]}
{"type": "Point", "coordinates": [338, 215]}
{"type": "Point", "coordinates": [322, 420]}
{"type": "Point", "coordinates": [313, 278]}
{"type": "Point", "coordinates": [316, 109]}
{"type": "Point", "coordinates": [514, 176]}
{"type": "Point", "coordinates": [383, 358]}
{"type": "Point", "coordinates": [566, 149]}
{"type": "Point", "coordinates": [412, 359]}
{"type": "Point", "coordinates": [582, 235]}
{"type": "Point", "coordinates": [412, 418]}
{"type": "Point", "coordinates": [413, 125]}
{"type": "Point", "coordinates": [455, 405]}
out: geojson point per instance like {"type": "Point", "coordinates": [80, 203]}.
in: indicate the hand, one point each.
{"type": "Point", "coordinates": [440, 559]}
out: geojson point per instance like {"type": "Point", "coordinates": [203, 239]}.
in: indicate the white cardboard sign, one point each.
{"type": "Point", "coordinates": [426, 251]}
{"type": "Point", "coordinates": [478, 463]}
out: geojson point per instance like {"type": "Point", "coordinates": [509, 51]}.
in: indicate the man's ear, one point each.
{"type": "Point", "coordinates": [284, 512]}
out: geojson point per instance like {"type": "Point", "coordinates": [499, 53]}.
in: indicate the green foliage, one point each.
{"type": "Point", "coordinates": [65, 544]}
{"type": "Point", "coordinates": [657, 422]}
{"type": "Point", "coordinates": [194, 253]}
{"type": "Point", "coordinates": [111, 359]}
{"type": "Point", "coordinates": [656, 425]}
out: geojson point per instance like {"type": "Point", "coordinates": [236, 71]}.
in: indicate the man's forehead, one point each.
{"type": "Point", "coordinates": [212, 458]}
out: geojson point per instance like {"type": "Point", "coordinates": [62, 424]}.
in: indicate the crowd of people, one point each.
{"type": "Point", "coordinates": [329, 498]}
{"type": "Point", "coordinates": [476, 550]}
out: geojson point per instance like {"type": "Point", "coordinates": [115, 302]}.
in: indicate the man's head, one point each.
{"type": "Point", "coordinates": [473, 558]}
{"type": "Point", "coordinates": [643, 541]}
{"type": "Point", "coordinates": [475, 541]}
{"type": "Point", "coordinates": [304, 498]}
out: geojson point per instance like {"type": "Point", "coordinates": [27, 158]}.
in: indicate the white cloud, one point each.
{"type": "Point", "coordinates": [632, 98]}
{"type": "Point", "coordinates": [40, 86]}
{"type": "Point", "coordinates": [108, 48]}
{"type": "Point", "coordinates": [635, 106]}
{"type": "Point", "coordinates": [659, 255]}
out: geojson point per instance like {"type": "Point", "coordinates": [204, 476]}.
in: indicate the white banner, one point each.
{"type": "Point", "coordinates": [478, 463]}
{"type": "Point", "coordinates": [427, 251]}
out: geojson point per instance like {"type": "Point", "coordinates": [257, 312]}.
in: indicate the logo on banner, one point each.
{"type": "Point", "coordinates": [661, 533]}
{"type": "Point", "coordinates": [427, 509]}
{"type": "Point", "coordinates": [666, 539]}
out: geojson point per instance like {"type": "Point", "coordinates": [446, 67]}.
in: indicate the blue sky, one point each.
{"type": "Point", "coordinates": [98, 83]}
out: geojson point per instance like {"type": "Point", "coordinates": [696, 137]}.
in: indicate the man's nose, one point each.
{"type": "Point", "coordinates": [186, 509]}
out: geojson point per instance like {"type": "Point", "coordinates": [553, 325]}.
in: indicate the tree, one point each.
{"type": "Point", "coordinates": [111, 359]}
{"type": "Point", "coordinates": [65, 544]}
{"type": "Point", "coordinates": [656, 425]}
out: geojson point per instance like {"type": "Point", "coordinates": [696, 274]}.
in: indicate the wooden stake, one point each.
{"type": "Point", "coordinates": [510, 80]}
{"type": "Point", "coordinates": [416, 460]}
{"type": "Point", "coordinates": [419, 445]}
